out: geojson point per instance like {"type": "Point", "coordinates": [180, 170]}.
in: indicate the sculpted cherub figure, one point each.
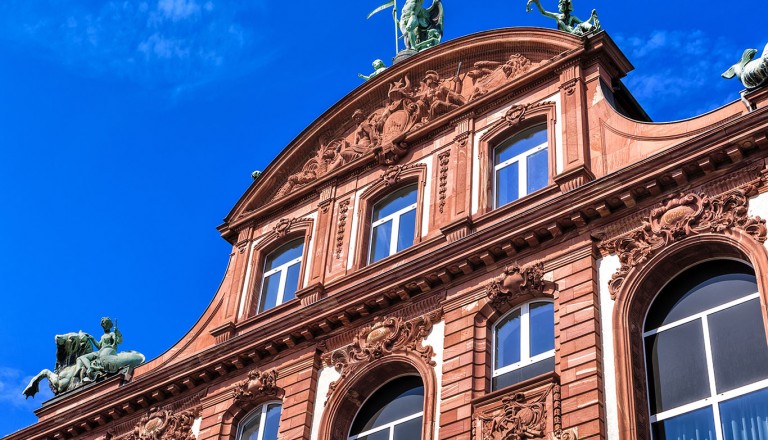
{"type": "Point", "coordinates": [567, 22]}
{"type": "Point", "coordinates": [378, 67]}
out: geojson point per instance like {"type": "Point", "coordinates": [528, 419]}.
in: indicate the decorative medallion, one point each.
{"type": "Point", "coordinates": [163, 424]}
{"type": "Point", "coordinates": [518, 113]}
{"type": "Point", "coordinates": [384, 337]}
{"type": "Point", "coordinates": [683, 216]}
{"type": "Point", "coordinates": [516, 282]}
{"type": "Point", "coordinates": [257, 386]}
{"type": "Point", "coordinates": [517, 418]}
{"type": "Point", "coordinates": [283, 227]}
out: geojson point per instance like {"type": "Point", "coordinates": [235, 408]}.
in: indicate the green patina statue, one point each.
{"type": "Point", "coordinates": [752, 73]}
{"type": "Point", "coordinates": [567, 22]}
{"type": "Point", "coordinates": [378, 67]}
{"type": "Point", "coordinates": [421, 28]}
{"type": "Point", "coordinates": [77, 364]}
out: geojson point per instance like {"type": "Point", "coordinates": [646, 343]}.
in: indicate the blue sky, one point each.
{"type": "Point", "coordinates": [129, 128]}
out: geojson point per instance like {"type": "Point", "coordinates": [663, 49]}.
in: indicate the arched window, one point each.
{"type": "Point", "coordinates": [394, 412]}
{"type": "Point", "coordinates": [707, 357]}
{"type": "Point", "coordinates": [524, 344]}
{"type": "Point", "coordinates": [393, 223]}
{"type": "Point", "coordinates": [261, 424]}
{"type": "Point", "coordinates": [282, 270]}
{"type": "Point", "coordinates": [520, 165]}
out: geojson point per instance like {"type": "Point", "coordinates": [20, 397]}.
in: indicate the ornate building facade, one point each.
{"type": "Point", "coordinates": [512, 251]}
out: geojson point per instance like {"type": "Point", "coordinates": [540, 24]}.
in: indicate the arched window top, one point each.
{"type": "Point", "coordinates": [261, 424]}
{"type": "Point", "coordinates": [393, 223]}
{"type": "Point", "coordinates": [395, 411]}
{"type": "Point", "coordinates": [524, 343]}
{"type": "Point", "coordinates": [521, 165]}
{"type": "Point", "coordinates": [706, 351]}
{"type": "Point", "coordinates": [701, 288]}
{"type": "Point", "coordinates": [281, 274]}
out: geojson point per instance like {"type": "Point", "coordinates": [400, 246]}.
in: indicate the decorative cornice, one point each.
{"type": "Point", "coordinates": [680, 217]}
{"type": "Point", "coordinates": [384, 337]}
{"type": "Point", "coordinates": [516, 282]}
{"type": "Point", "coordinates": [163, 424]}
{"type": "Point", "coordinates": [256, 387]}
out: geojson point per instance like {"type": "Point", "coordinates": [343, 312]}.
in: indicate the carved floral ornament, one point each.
{"type": "Point", "coordinates": [384, 337]}
{"type": "Point", "coordinates": [258, 386]}
{"type": "Point", "coordinates": [515, 282]}
{"type": "Point", "coordinates": [680, 217]}
{"type": "Point", "coordinates": [163, 424]}
{"type": "Point", "coordinates": [408, 107]}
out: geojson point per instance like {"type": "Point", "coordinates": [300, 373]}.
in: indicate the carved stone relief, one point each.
{"type": "Point", "coordinates": [444, 158]}
{"type": "Point", "coordinates": [516, 282]}
{"type": "Point", "coordinates": [408, 107]}
{"type": "Point", "coordinates": [164, 424]}
{"type": "Point", "coordinates": [256, 387]}
{"type": "Point", "coordinates": [683, 216]}
{"type": "Point", "coordinates": [518, 415]}
{"type": "Point", "coordinates": [518, 113]}
{"type": "Point", "coordinates": [384, 337]}
{"type": "Point", "coordinates": [343, 212]}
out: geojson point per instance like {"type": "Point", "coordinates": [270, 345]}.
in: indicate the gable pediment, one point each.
{"type": "Point", "coordinates": [377, 121]}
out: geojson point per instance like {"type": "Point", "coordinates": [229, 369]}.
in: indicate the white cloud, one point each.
{"type": "Point", "coordinates": [158, 43]}
{"type": "Point", "coordinates": [12, 383]}
{"type": "Point", "coordinates": [668, 88]}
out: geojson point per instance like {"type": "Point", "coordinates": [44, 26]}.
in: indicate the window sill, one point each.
{"type": "Point", "coordinates": [487, 216]}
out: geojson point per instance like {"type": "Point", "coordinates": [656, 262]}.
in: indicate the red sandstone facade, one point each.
{"type": "Point", "coordinates": [599, 240]}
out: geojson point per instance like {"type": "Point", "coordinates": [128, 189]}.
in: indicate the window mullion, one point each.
{"type": "Point", "coordinates": [262, 422]}
{"type": "Point", "coordinates": [522, 177]}
{"type": "Point", "coordinates": [711, 374]}
{"type": "Point", "coordinates": [395, 234]}
{"type": "Point", "coordinates": [525, 336]}
{"type": "Point", "coordinates": [281, 288]}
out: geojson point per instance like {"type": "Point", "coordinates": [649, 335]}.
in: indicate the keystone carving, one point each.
{"type": "Point", "coordinates": [257, 386]}
{"type": "Point", "coordinates": [681, 217]}
{"type": "Point", "coordinates": [516, 419]}
{"type": "Point", "coordinates": [384, 337]}
{"type": "Point", "coordinates": [408, 107]}
{"type": "Point", "coordinates": [516, 282]}
{"type": "Point", "coordinates": [163, 424]}
{"type": "Point", "coordinates": [518, 113]}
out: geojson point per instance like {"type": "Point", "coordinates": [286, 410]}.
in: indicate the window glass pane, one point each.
{"type": "Point", "coordinates": [397, 399]}
{"type": "Point", "coordinates": [528, 372]}
{"type": "Point", "coordinates": [380, 240]}
{"type": "Point", "coordinates": [701, 288]}
{"type": "Point", "coordinates": [537, 171]}
{"type": "Point", "coordinates": [395, 202]}
{"type": "Point", "coordinates": [676, 367]}
{"type": "Point", "coordinates": [739, 350]}
{"type": "Point", "coordinates": [378, 435]}
{"type": "Point", "coordinates": [284, 254]}
{"type": "Point", "coordinates": [507, 185]}
{"type": "Point", "coordinates": [508, 340]}
{"type": "Point", "coordinates": [695, 425]}
{"type": "Point", "coordinates": [251, 427]}
{"type": "Point", "coordinates": [272, 424]}
{"type": "Point", "coordinates": [291, 282]}
{"type": "Point", "coordinates": [269, 292]}
{"type": "Point", "coordinates": [542, 322]}
{"type": "Point", "coordinates": [407, 230]}
{"type": "Point", "coordinates": [522, 142]}
{"type": "Point", "coordinates": [745, 417]}
{"type": "Point", "coordinates": [410, 430]}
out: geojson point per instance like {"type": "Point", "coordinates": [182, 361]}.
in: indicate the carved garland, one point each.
{"type": "Point", "coordinates": [163, 424]}
{"type": "Point", "coordinates": [683, 216]}
{"type": "Point", "coordinates": [343, 211]}
{"type": "Point", "coordinates": [386, 336]}
{"type": "Point", "coordinates": [515, 282]}
{"type": "Point", "coordinates": [444, 159]}
{"type": "Point", "coordinates": [256, 387]}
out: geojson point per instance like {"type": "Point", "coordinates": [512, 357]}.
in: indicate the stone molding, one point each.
{"type": "Point", "coordinates": [256, 388]}
{"type": "Point", "coordinates": [164, 424]}
{"type": "Point", "coordinates": [516, 282]}
{"type": "Point", "coordinates": [384, 337]}
{"type": "Point", "coordinates": [680, 217]}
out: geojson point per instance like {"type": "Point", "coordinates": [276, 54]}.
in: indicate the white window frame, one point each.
{"type": "Point", "coordinates": [395, 219]}
{"type": "Point", "coordinates": [522, 169]}
{"type": "Point", "coordinates": [714, 399]}
{"type": "Point", "coordinates": [262, 419]}
{"type": "Point", "coordinates": [283, 269]}
{"type": "Point", "coordinates": [525, 340]}
{"type": "Point", "coordinates": [389, 426]}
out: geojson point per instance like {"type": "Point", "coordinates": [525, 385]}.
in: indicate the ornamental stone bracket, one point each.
{"type": "Point", "coordinates": [256, 388]}
{"type": "Point", "coordinates": [384, 337]}
{"type": "Point", "coordinates": [164, 424]}
{"type": "Point", "coordinates": [680, 217]}
{"type": "Point", "coordinates": [515, 282]}
{"type": "Point", "coordinates": [530, 413]}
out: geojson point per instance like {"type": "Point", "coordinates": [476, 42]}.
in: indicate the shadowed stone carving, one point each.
{"type": "Point", "coordinates": [683, 216]}
{"type": "Point", "coordinates": [516, 282]}
{"type": "Point", "coordinates": [163, 424]}
{"type": "Point", "coordinates": [256, 387]}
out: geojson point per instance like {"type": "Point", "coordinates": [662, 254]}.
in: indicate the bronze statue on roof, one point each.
{"type": "Point", "coordinates": [567, 22]}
